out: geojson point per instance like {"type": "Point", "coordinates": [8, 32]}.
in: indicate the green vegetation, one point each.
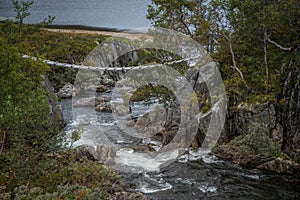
{"type": "Point", "coordinates": [255, 42]}
{"type": "Point", "coordinates": [69, 179]}
{"type": "Point", "coordinates": [33, 40]}
{"type": "Point", "coordinates": [250, 149]}
{"type": "Point", "coordinates": [147, 91]}
{"type": "Point", "coordinates": [35, 162]}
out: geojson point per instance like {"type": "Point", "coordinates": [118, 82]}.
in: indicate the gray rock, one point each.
{"type": "Point", "coordinates": [151, 122]}
{"type": "Point", "coordinates": [103, 107]}
{"type": "Point", "coordinates": [103, 98]}
{"type": "Point", "coordinates": [281, 166]}
{"type": "Point", "coordinates": [55, 112]}
{"type": "Point", "coordinates": [106, 154]}
{"type": "Point", "coordinates": [85, 151]}
{"type": "Point", "coordinates": [66, 91]}
{"type": "Point", "coordinates": [87, 101]}
{"type": "Point", "coordinates": [291, 113]}
{"type": "Point", "coordinates": [102, 88]}
{"type": "Point", "coordinates": [247, 118]}
{"type": "Point", "coordinates": [103, 153]}
{"type": "Point", "coordinates": [107, 82]}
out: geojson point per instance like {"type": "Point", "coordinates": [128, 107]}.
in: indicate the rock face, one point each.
{"type": "Point", "coordinates": [247, 118]}
{"type": "Point", "coordinates": [291, 113]}
{"type": "Point", "coordinates": [85, 151]}
{"type": "Point", "coordinates": [66, 91]}
{"type": "Point", "coordinates": [102, 153]}
{"type": "Point", "coordinates": [151, 122]}
{"type": "Point", "coordinates": [102, 88]}
{"type": "Point", "coordinates": [55, 113]}
{"type": "Point", "coordinates": [103, 107]}
{"type": "Point", "coordinates": [200, 80]}
{"type": "Point", "coordinates": [281, 166]}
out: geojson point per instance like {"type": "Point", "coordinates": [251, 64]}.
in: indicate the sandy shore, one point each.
{"type": "Point", "coordinates": [131, 36]}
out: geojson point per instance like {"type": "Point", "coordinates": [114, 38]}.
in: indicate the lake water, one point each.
{"type": "Point", "coordinates": [115, 14]}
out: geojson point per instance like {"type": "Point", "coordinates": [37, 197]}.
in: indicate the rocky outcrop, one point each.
{"type": "Point", "coordinates": [102, 88]}
{"type": "Point", "coordinates": [66, 91]}
{"type": "Point", "coordinates": [201, 80]}
{"type": "Point", "coordinates": [291, 113]}
{"type": "Point", "coordinates": [103, 107]}
{"type": "Point", "coordinates": [85, 151]}
{"type": "Point", "coordinates": [55, 112]}
{"type": "Point", "coordinates": [281, 166]}
{"type": "Point", "coordinates": [151, 122]}
{"type": "Point", "coordinates": [247, 118]}
{"type": "Point", "coordinates": [103, 153]}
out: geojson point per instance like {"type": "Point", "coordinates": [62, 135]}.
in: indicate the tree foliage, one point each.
{"type": "Point", "coordinates": [255, 42]}
{"type": "Point", "coordinates": [26, 132]}
{"type": "Point", "coordinates": [32, 148]}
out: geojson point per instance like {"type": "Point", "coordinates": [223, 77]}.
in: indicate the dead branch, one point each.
{"type": "Point", "coordinates": [266, 58]}
{"type": "Point", "coordinates": [229, 39]}
{"type": "Point", "coordinates": [278, 45]}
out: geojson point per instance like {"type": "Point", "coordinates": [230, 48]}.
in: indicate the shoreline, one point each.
{"type": "Point", "coordinates": [84, 27]}
{"type": "Point", "coordinates": [127, 34]}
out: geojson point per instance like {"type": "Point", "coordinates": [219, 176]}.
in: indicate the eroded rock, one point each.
{"type": "Point", "coordinates": [66, 91]}
{"type": "Point", "coordinates": [281, 166]}
{"type": "Point", "coordinates": [102, 153]}
{"type": "Point", "coordinates": [103, 107]}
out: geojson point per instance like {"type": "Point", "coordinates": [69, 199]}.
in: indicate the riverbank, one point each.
{"type": "Point", "coordinates": [36, 161]}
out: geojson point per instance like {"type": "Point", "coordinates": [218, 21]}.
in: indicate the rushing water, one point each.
{"type": "Point", "coordinates": [118, 14]}
{"type": "Point", "coordinates": [198, 175]}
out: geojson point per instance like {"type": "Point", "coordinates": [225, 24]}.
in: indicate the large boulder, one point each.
{"type": "Point", "coordinates": [280, 166]}
{"type": "Point", "coordinates": [151, 122]}
{"type": "Point", "coordinates": [103, 153]}
{"type": "Point", "coordinates": [107, 82]}
{"type": "Point", "coordinates": [85, 151]}
{"type": "Point", "coordinates": [86, 101]}
{"type": "Point", "coordinates": [103, 107]}
{"type": "Point", "coordinates": [102, 88]}
{"type": "Point", "coordinates": [66, 91]}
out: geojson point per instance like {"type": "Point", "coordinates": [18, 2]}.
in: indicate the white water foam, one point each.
{"type": "Point", "coordinates": [187, 181]}
{"type": "Point", "coordinates": [134, 161]}
{"type": "Point", "coordinates": [204, 155]}
{"type": "Point", "coordinates": [153, 184]}
{"type": "Point", "coordinates": [107, 124]}
{"type": "Point", "coordinates": [204, 187]}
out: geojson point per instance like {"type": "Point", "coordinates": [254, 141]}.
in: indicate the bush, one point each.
{"type": "Point", "coordinates": [250, 149]}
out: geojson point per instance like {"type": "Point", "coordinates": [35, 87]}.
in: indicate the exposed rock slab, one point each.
{"type": "Point", "coordinates": [281, 166]}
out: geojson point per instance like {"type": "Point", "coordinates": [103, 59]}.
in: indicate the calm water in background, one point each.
{"type": "Point", "coordinates": [116, 14]}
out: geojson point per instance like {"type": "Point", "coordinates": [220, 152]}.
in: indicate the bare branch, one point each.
{"type": "Point", "coordinates": [185, 25]}
{"type": "Point", "coordinates": [266, 57]}
{"type": "Point", "coordinates": [229, 39]}
{"type": "Point", "coordinates": [278, 45]}
{"type": "Point", "coordinates": [2, 142]}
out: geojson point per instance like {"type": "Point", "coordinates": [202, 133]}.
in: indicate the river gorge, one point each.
{"type": "Point", "coordinates": [257, 143]}
{"type": "Point", "coordinates": [197, 175]}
